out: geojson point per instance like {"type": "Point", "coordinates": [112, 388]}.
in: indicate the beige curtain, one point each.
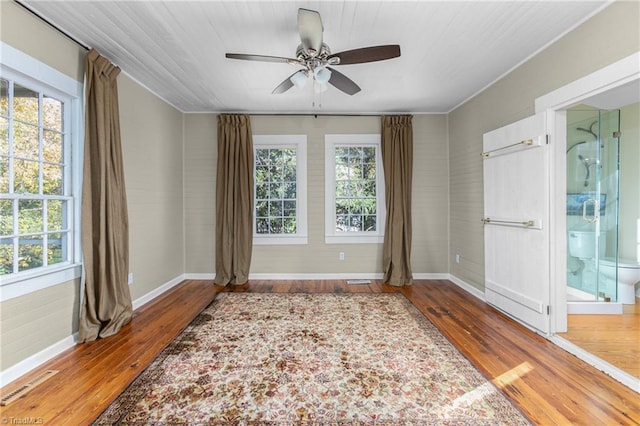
{"type": "Point", "coordinates": [106, 305]}
{"type": "Point", "coordinates": [397, 160]}
{"type": "Point", "coordinates": [234, 200]}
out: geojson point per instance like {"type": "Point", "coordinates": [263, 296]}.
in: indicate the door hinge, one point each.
{"type": "Point", "coordinates": [547, 138]}
{"type": "Point", "coordinates": [548, 310]}
{"type": "Point", "coordinates": [617, 134]}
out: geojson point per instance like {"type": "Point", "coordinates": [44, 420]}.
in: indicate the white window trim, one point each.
{"type": "Point", "coordinates": [299, 142]}
{"type": "Point", "coordinates": [331, 236]}
{"type": "Point", "coordinates": [26, 70]}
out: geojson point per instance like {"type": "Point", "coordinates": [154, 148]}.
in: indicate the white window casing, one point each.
{"type": "Point", "coordinates": [24, 71]}
{"type": "Point", "coordinates": [297, 143]}
{"type": "Point", "coordinates": [333, 235]}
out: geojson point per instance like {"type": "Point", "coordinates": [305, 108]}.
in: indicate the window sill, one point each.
{"type": "Point", "coordinates": [354, 239]}
{"type": "Point", "coordinates": [30, 282]}
{"type": "Point", "coordinates": [279, 241]}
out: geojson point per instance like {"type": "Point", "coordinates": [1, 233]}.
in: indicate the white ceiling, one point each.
{"type": "Point", "coordinates": [450, 50]}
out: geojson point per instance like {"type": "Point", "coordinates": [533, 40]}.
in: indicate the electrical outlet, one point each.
{"type": "Point", "coordinates": [130, 278]}
{"type": "Point", "coordinates": [341, 255]}
{"type": "Point", "coordinates": [457, 258]}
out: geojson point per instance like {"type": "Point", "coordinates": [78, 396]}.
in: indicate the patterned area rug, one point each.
{"type": "Point", "coordinates": [274, 359]}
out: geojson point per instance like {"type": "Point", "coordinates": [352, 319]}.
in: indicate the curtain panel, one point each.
{"type": "Point", "coordinates": [106, 304]}
{"type": "Point", "coordinates": [397, 160]}
{"type": "Point", "coordinates": [234, 200]}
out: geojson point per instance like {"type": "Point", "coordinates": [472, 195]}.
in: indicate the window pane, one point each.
{"type": "Point", "coordinates": [6, 256]}
{"type": "Point", "coordinates": [342, 222]}
{"type": "Point", "coordinates": [370, 223]}
{"type": "Point", "coordinates": [369, 155]}
{"type": "Point", "coordinates": [290, 208]}
{"type": "Point", "coordinates": [262, 225]}
{"type": "Point", "coordinates": [56, 210]}
{"type": "Point", "coordinates": [4, 136]}
{"type": "Point", "coordinates": [4, 175]}
{"type": "Point", "coordinates": [289, 173]}
{"type": "Point", "coordinates": [262, 191]}
{"type": "Point", "coordinates": [4, 97]}
{"type": "Point", "coordinates": [6, 217]}
{"type": "Point", "coordinates": [275, 208]}
{"type": "Point", "coordinates": [30, 216]}
{"type": "Point", "coordinates": [342, 188]}
{"type": "Point", "coordinates": [25, 104]}
{"type": "Point", "coordinates": [369, 206]}
{"type": "Point", "coordinates": [342, 172]}
{"type": "Point", "coordinates": [275, 190]}
{"type": "Point", "coordinates": [342, 206]}
{"type": "Point", "coordinates": [369, 171]}
{"type": "Point", "coordinates": [52, 147]}
{"type": "Point", "coordinates": [56, 252]}
{"type": "Point", "coordinates": [262, 157]}
{"type": "Point", "coordinates": [262, 209]}
{"type": "Point", "coordinates": [52, 113]}
{"type": "Point", "coordinates": [26, 177]}
{"type": "Point", "coordinates": [289, 225]}
{"type": "Point", "coordinates": [290, 190]}
{"type": "Point", "coordinates": [275, 156]}
{"type": "Point", "coordinates": [25, 141]}
{"type": "Point", "coordinates": [30, 252]}
{"type": "Point", "coordinates": [355, 223]}
{"type": "Point", "coordinates": [52, 179]}
{"type": "Point", "coordinates": [275, 225]}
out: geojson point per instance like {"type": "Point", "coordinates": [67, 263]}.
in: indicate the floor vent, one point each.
{"type": "Point", "coordinates": [24, 389]}
{"type": "Point", "coordinates": [358, 281]}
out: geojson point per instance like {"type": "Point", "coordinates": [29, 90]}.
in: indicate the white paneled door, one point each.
{"type": "Point", "coordinates": [516, 220]}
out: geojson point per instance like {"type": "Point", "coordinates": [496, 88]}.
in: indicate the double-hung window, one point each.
{"type": "Point", "coordinates": [38, 123]}
{"type": "Point", "coordinates": [280, 200]}
{"type": "Point", "coordinates": [354, 189]}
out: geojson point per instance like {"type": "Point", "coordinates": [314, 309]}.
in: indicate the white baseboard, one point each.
{"type": "Point", "coordinates": [200, 276]}
{"type": "Point", "coordinates": [20, 369]}
{"type": "Point", "coordinates": [467, 287]}
{"type": "Point", "coordinates": [602, 365]}
{"type": "Point", "coordinates": [23, 367]}
{"type": "Point", "coordinates": [157, 291]}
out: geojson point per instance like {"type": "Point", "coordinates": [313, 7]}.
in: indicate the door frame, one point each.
{"type": "Point", "coordinates": [554, 104]}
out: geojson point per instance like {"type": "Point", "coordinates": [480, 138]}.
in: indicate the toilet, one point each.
{"type": "Point", "coordinates": [628, 276]}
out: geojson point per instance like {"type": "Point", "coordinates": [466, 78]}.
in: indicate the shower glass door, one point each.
{"type": "Point", "coordinates": [592, 203]}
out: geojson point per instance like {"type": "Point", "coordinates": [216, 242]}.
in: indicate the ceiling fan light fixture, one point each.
{"type": "Point", "coordinates": [300, 78]}
{"type": "Point", "coordinates": [322, 75]}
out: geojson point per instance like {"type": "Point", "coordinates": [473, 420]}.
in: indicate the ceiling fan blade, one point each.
{"type": "Point", "coordinates": [285, 85]}
{"type": "Point", "coordinates": [367, 54]}
{"type": "Point", "coordinates": [262, 58]}
{"type": "Point", "coordinates": [310, 29]}
{"type": "Point", "coordinates": [342, 82]}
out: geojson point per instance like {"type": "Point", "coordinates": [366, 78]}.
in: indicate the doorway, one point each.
{"type": "Point", "coordinates": [616, 87]}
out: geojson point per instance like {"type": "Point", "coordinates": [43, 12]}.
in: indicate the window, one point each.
{"type": "Point", "coordinates": [280, 206]}
{"type": "Point", "coordinates": [37, 180]}
{"type": "Point", "coordinates": [354, 189]}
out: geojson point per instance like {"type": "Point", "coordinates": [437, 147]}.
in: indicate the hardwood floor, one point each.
{"type": "Point", "coordinates": [613, 338]}
{"type": "Point", "coordinates": [549, 385]}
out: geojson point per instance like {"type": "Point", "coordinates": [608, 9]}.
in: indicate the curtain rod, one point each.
{"type": "Point", "coordinates": [46, 21]}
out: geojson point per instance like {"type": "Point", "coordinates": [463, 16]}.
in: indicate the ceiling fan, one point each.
{"type": "Point", "coordinates": [316, 59]}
